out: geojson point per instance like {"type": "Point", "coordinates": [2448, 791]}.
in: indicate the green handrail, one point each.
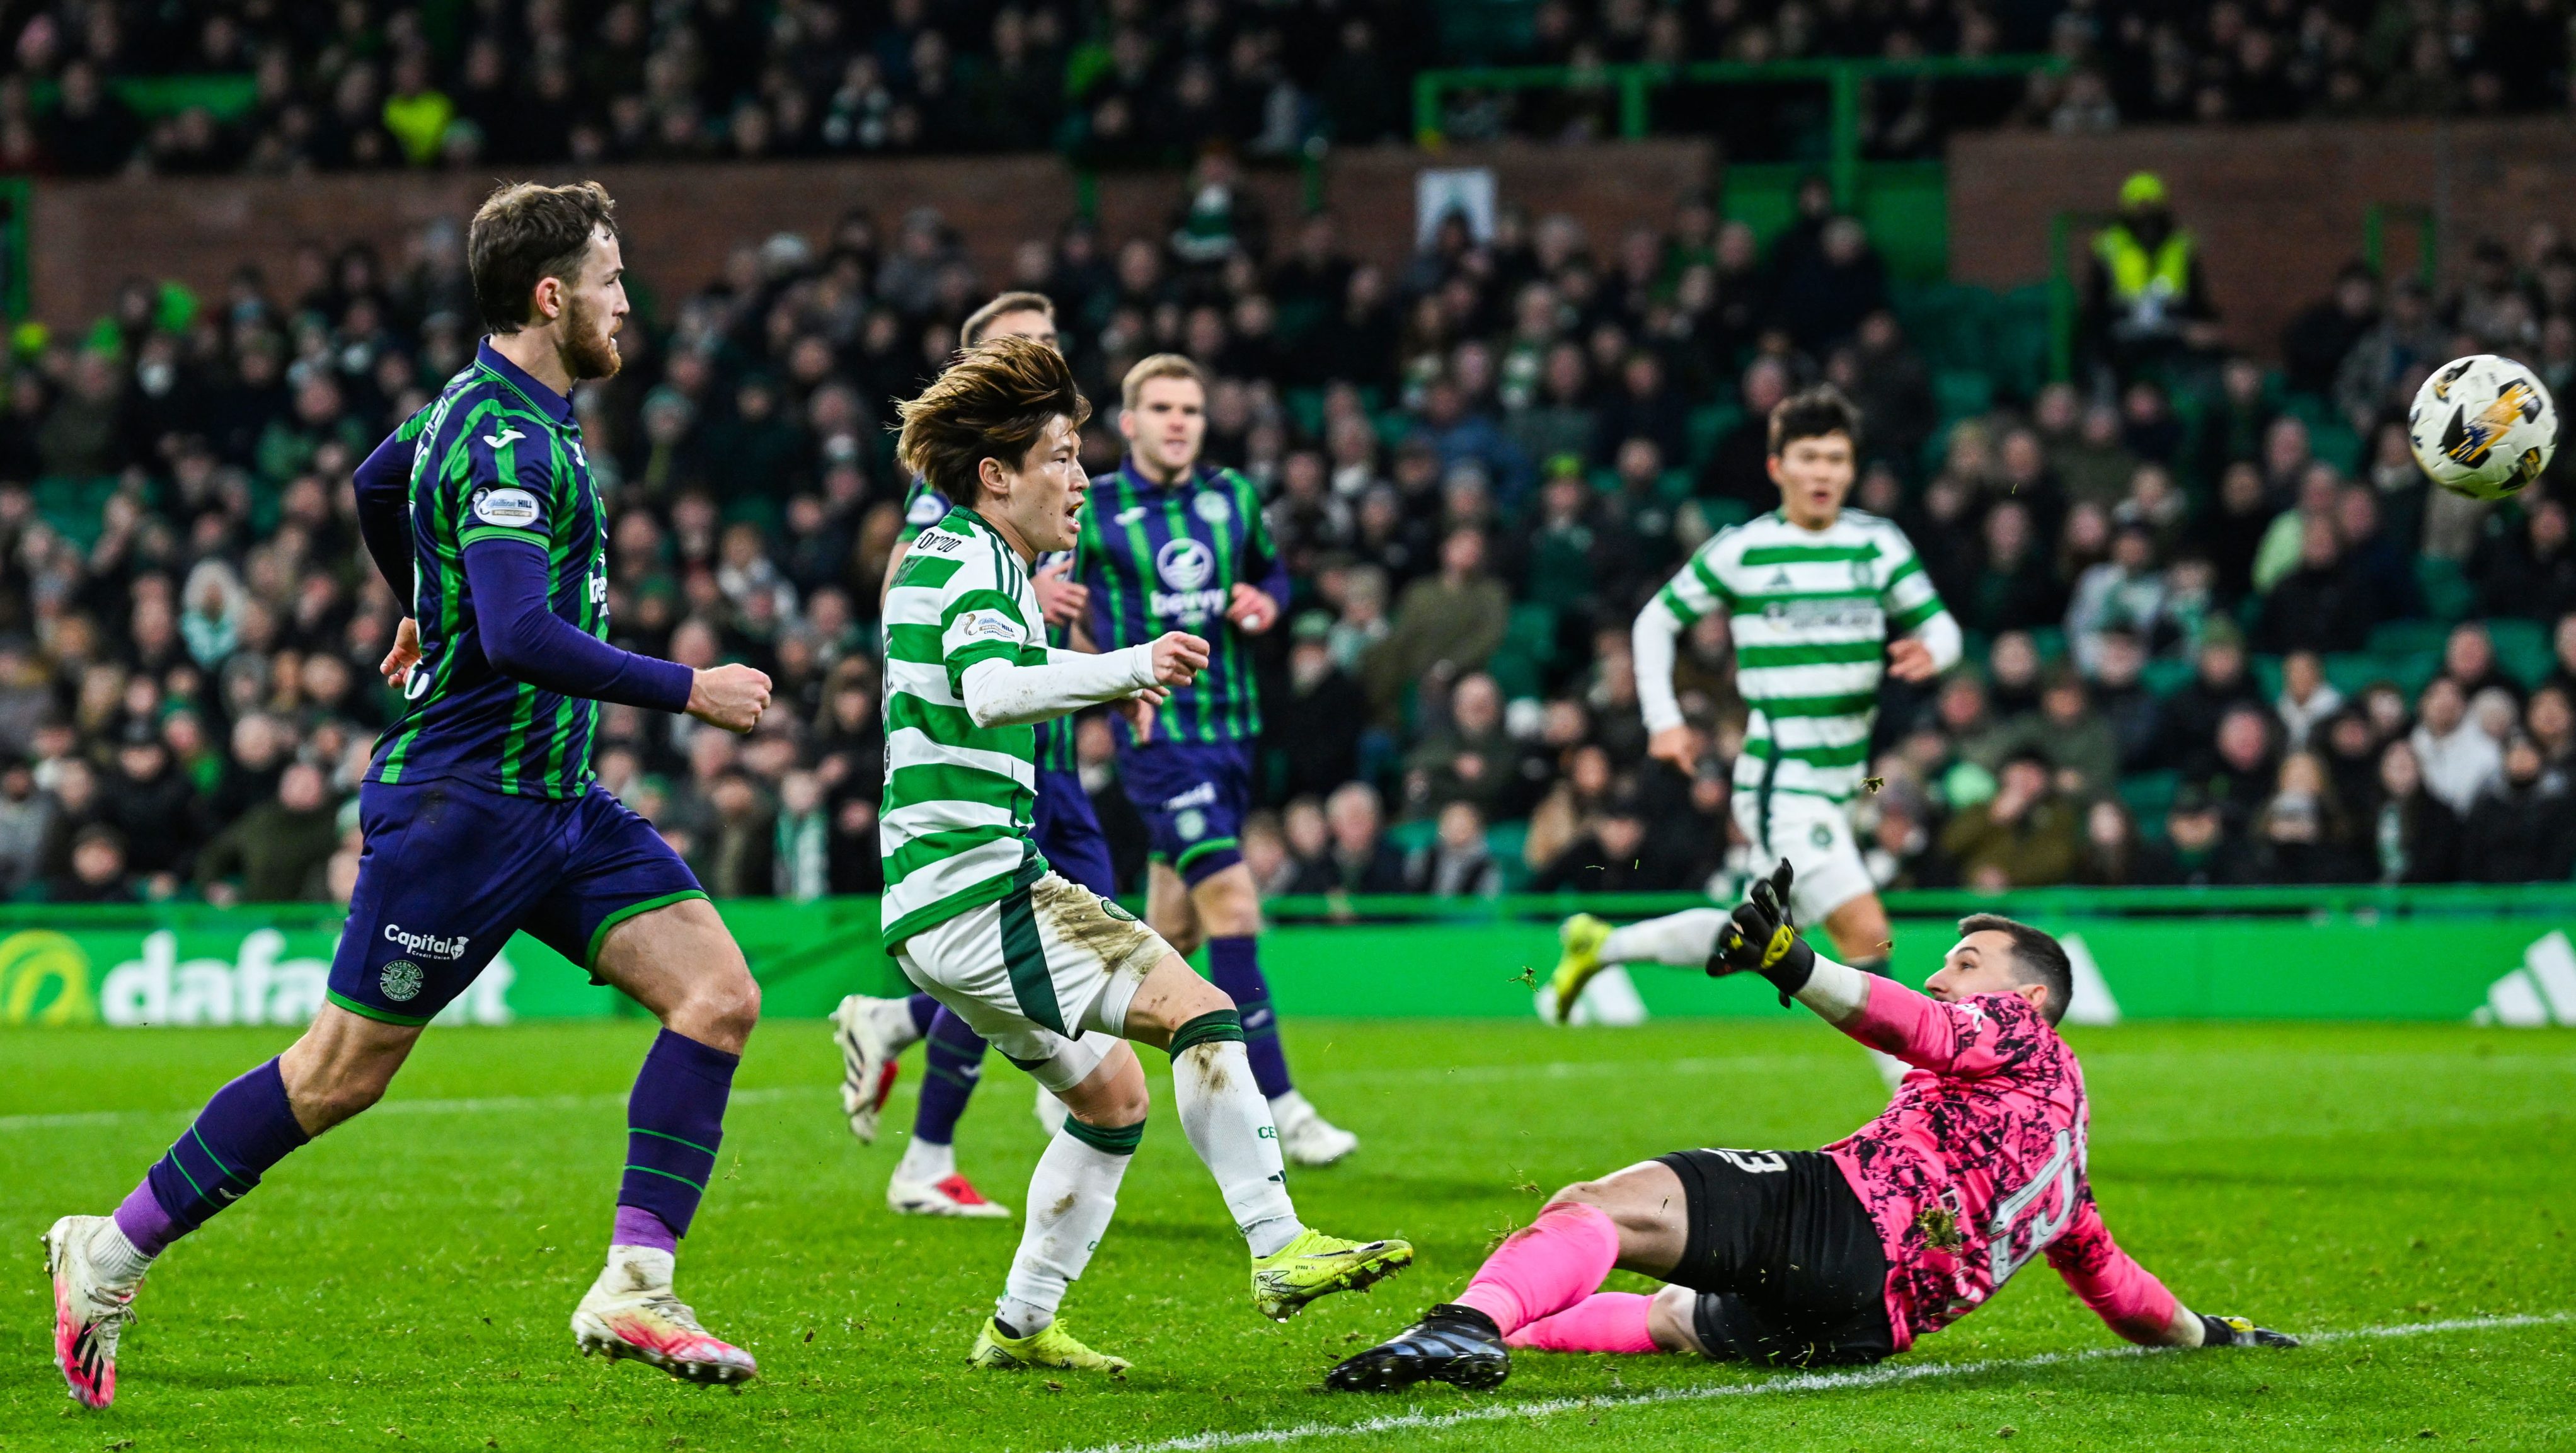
{"type": "Point", "coordinates": [1843, 80]}
{"type": "Point", "coordinates": [2428, 233]}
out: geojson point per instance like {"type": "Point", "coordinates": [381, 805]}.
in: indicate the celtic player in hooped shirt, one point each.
{"type": "Point", "coordinates": [1055, 976]}
{"type": "Point", "coordinates": [1171, 542]}
{"type": "Point", "coordinates": [1841, 1255]}
{"type": "Point", "coordinates": [1822, 602]}
{"type": "Point", "coordinates": [480, 814]}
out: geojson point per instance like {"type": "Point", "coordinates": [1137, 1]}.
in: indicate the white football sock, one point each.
{"type": "Point", "coordinates": [1229, 1125]}
{"type": "Point", "coordinates": [637, 1269]}
{"type": "Point", "coordinates": [1072, 1195]}
{"type": "Point", "coordinates": [118, 1262]}
{"type": "Point", "coordinates": [926, 1162]}
{"type": "Point", "coordinates": [1683, 939]}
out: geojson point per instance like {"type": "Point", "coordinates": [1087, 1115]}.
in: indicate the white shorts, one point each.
{"type": "Point", "coordinates": [1815, 835]}
{"type": "Point", "coordinates": [1046, 974]}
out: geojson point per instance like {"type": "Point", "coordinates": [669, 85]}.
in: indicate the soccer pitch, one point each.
{"type": "Point", "coordinates": [2400, 1194]}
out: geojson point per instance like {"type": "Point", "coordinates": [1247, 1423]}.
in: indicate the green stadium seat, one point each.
{"type": "Point", "coordinates": [1412, 834]}
{"type": "Point", "coordinates": [1962, 393]}
{"type": "Point", "coordinates": [2166, 675]}
{"type": "Point", "coordinates": [2352, 672]}
{"type": "Point", "coordinates": [2267, 675]}
{"type": "Point", "coordinates": [1708, 424]}
{"type": "Point", "coordinates": [2398, 638]}
{"type": "Point", "coordinates": [2522, 649]}
{"type": "Point", "coordinates": [2447, 593]}
{"type": "Point", "coordinates": [2049, 641]}
{"type": "Point", "coordinates": [2149, 795]}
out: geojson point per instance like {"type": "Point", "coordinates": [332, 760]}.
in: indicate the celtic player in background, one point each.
{"type": "Point", "coordinates": [871, 1031]}
{"type": "Point", "coordinates": [482, 818]}
{"type": "Point", "coordinates": [1821, 601]}
{"type": "Point", "coordinates": [1169, 542]}
{"type": "Point", "coordinates": [1057, 977]}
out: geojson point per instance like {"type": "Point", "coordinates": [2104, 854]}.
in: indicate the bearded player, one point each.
{"type": "Point", "coordinates": [1057, 977]}
{"type": "Point", "coordinates": [482, 817]}
{"type": "Point", "coordinates": [1851, 1253]}
{"type": "Point", "coordinates": [871, 1031]}
{"type": "Point", "coordinates": [1820, 602]}
{"type": "Point", "coordinates": [1172, 543]}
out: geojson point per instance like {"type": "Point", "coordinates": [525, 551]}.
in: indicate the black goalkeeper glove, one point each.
{"type": "Point", "coordinates": [2240, 1332]}
{"type": "Point", "coordinates": [1761, 938]}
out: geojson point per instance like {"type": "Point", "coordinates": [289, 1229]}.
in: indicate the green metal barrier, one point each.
{"type": "Point", "coordinates": [1842, 79]}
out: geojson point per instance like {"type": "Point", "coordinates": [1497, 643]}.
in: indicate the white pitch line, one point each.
{"type": "Point", "coordinates": [476, 1105]}
{"type": "Point", "coordinates": [1865, 1378]}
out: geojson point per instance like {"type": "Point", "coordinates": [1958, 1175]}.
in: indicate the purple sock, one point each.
{"type": "Point", "coordinates": [952, 1064]}
{"type": "Point", "coordinates": [245, 1129]}
{"type": "Point", "coordinates": [924, 1010]}
{"type": "Point", "coordinates": [674, 1124]}
{"type": "Point", "coordinates": [639, 1227]}
{"type": "Point", "coordinates": [144, 1222]}
{"type": "Point", "coordinates": [1235, 964]}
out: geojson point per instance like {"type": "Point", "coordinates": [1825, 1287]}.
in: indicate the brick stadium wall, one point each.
{"type": "Point", "coordinates": [2278, 208]}
{"type": "Point", "coordinates": [681, 220]}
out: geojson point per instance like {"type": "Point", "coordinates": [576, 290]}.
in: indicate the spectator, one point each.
{"type": "Point", "coordinates": [1315, 725]}
{"type": "Point", "coordinates": [2198, 851]}
{"type": "Point", "coordinates": [2082, 753]}
{"type": "Point", "coordinates": [2025, 836]}
{"type": "Point", "coordinates": [1359, 859]}
{"type": "Point", "coordinates": [24, 816]}
{"type": "Point", "coordinates": [2146, 301]}
{"type": "Point", "coordinates": [2529, 571]}
{"type": "Point", "coordinates": [2415, 836]}
{"type": "Point", "coordinates": [1444, 626]}
{"type": "Point", "coordinates": [2323, 333]}
{"type": "Point", "coordinates": [152, 807]}
{"type": "Point", "coordinates": [2111, 855]}
{"type": "Point", "coordinates": [2120, 694]}
{"type": "Point", "coordinates": [275, 853]}
{"type": "Point", "coordinates": [2307, 699]}
{"type": "Point", "coordinates": [2469, 662]}
{"type": "Point", "coordinates": [2219, 684]}
{"type": "Point", "coordinates": [1455, 863]}
{"type": "Point", "coordinates": [2301, 836]}
{"type": "Point", "coordinates": [2522, 827]}
{"type": "Point", "coordinates": [97, 872]}
{"type": "Point", "coordinates": [1613, 854]}
{"type": "Point", "coordinates": [2457, 759]}
{"type": "Point", "coordinates": [2321, 605]}
{"type": "Point", "coordinates": [1471, 761]}
{"type": "Point", "coordinates": [2124, 593]}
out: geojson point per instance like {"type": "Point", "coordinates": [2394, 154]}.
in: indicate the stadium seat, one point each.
{"type": "Point", "coordinates": [2149, 795]}
{"type": "Point", "coordinates": [2398, 638]}
{"type": "Point", "coordinates": [2166, 675]}
{"type": "Point", "coordinates": [1708, 423]}
{"type": "Point", "coordinates": [2522, 649]}
{"type": "Point", "coordinates": [2448, 595]}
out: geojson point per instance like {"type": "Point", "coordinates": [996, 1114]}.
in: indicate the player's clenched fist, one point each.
{"type": "Point", "coordinates": [732, 697]}
{"type": "Point", "coordinates": [1179, 656]}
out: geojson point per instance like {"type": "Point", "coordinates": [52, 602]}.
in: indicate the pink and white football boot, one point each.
{"type": "Point", "coordinates": [631, 1312]}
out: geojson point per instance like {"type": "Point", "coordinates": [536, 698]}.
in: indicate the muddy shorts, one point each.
{"type": "Point", "coordinates": [1046, 974]}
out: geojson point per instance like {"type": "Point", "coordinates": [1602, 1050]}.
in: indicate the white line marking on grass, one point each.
{"type": "Point", "coordinates": [1860, 1379]}
{"type": "Point", "coordinates": [475, 1105]}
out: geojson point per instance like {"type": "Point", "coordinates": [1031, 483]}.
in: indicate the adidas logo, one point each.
{"type": "Point", "coordinates": [1779, 579]}
{"type": "Point", "coordinates": [2541, 992]}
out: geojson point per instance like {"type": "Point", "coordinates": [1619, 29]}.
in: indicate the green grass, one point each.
{"type": "Point", "coordinates": [405, 1282]}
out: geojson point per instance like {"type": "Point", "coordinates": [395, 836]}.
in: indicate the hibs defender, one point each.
{"type": "Point", "coordinates": [1171, 542]}
{"type": "Point", "coordinates": [1050, 973]}
{"type": "Point", "coordinates": [481, 815]}
{"type": "Point", "coordinates": [1822, 601]}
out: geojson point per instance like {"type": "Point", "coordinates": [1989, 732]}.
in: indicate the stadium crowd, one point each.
{"type": "Point", "coordinates": [2208, 609]}
{"type": "Point", "coordinates": [365, 83]}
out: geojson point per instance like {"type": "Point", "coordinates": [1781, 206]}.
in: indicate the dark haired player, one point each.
{"type": "Point", "coordinates": [1820, 601]}
{"type": "Point", "coordinates": [872, 1031]}
{"type": "Point", "coordinates": [1170, 542]}
{"type": "Point", "coordinates": [1057, 977]}
{"type": "Point", "coordinates": [1847, 1254]}
{"type": "Point", "coordinates": [481, 815]}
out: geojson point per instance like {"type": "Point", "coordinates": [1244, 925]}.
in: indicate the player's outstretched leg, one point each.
{"type": "Point", "coordinates": [340, 1066]}
{"type": "Point", "coordinates": [1227, 1120]}
{"type": "Point", "coordinates": [1590, 945]}
{"type": "Point", "coordinates": [679, 962]}
{"type": "Point", "coordinates": [1540, 1271]}
{"type": "Point", "coordinates": [926, 1181]}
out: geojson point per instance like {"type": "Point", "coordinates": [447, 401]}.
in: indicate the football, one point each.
{"type": "Point", "coordinates": [2483, 426]}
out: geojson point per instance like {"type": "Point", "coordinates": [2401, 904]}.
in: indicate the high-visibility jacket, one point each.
{"type": "Point", "coordinates": [2156, 279]}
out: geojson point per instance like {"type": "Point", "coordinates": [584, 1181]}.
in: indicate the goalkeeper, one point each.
{"type": "Point", "coordinates": [1845, 1254]}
